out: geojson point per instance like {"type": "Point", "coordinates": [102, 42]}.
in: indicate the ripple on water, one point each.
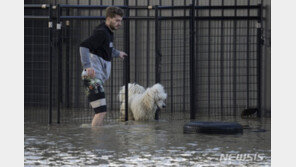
{"type": "Point", "coordinates": [146, 144]}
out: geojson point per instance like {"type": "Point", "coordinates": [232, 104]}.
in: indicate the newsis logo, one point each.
{"type": "Point", "coordinates": [241, 157]}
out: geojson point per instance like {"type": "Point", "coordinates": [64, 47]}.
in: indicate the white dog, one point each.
{"type": "Point", "coordinates": [142, 103]}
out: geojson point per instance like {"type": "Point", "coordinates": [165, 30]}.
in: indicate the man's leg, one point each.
{"type": "Point", "coordinates": [98, 119]}
{"type": "Point", "coordinates": [98, 103]}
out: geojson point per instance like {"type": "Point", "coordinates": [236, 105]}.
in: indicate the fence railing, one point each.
{"type": "Point", "coordinates": [207, 57]}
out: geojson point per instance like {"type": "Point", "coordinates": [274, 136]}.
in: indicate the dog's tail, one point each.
{"type": "Point", "coordinates": [133, 88]}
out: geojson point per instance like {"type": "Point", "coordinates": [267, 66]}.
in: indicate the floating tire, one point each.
{"type": "Point", "coordinates": [213, 127]}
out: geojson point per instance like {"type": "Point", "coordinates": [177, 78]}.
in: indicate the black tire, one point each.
{"type": "Point", "coordinates": [213, 127]}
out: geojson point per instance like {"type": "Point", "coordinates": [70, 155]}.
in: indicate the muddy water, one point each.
{"type": "Point", "coordinates": [155, 143]}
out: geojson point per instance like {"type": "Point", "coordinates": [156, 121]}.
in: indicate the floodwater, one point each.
{"type": "Point", "coordinates": [155, 143]}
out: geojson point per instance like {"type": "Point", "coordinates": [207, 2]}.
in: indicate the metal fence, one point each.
{"type": "Point", "coordinates": [228, 59]}
{"type": "Point", "coordinates": [205, 53]}
{"type": "Point", "coordinates": [37, 64]}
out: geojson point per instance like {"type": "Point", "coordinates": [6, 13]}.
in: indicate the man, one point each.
{"type": "Point", "coordinates": [96, 54]}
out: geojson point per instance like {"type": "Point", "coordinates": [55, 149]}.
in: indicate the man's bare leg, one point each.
{"type": "Point", "coordinates": [98, 119]}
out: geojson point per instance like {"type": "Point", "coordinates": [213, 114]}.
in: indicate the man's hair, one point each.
{"type": "Point", "coordinates": [112, 11]}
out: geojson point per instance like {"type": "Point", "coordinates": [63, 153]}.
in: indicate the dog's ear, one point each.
{"type": "Point", "coordinates": [156, 91]}
{"type": "Point", "coordinates": [159, 91]}
{"type": "Point", "coordinates": [165, 96]}
{"type": "Point", "coordinates": [148, 101]}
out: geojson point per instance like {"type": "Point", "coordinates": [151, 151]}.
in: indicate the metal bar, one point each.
{"type": "Point", "coordinates": [42, 6]}
{"type": "Point", "coordinates": [83, 17]}
{"type": "Point", "coordinates": [234, 61]}
{"type": "Point", "coordinates": [209, 64]}
{"type": "Point", "coordinates": [259, 56]}
{"type": "Point", "coordinates": [210, 7]}
{"type": "Point", "coordinates": [173, 7]}
{"type": "Point", "coordinates": [67, 91]}
{"type": "Point", "coordinates": [184, 60]}
{"type": "Point", "coordinates": [222, 64]}
{"type": "Point", "coordinates": [157, 52]}
{"type": "Point", "coordinates": [127, 60]}
{"type": "Point", "coordinates": [112, 83]}
{"type": "Point", "coordinates": [227, 7]}
{"type": "Point", "coordinates": [140, 17]}
{"type": "Point", "coordinates": [217, 18]}
{"type": "Point", "coordinates": [228, 66]}
{"type": "Point", "coordinates": [91, 6]}
{"type": "Point", "coordinates": [136, 46]}
{"type": "Point", "coordinates": [79, 12]}
{"type": "Point", "coordinates": [151, 18]}
{"type": "Point", "coordinates": [197, 74]}
{"type": "Point", "coordinates": [36, 17]}
{"type": "Point", "coordinates": [172, 60]}
{"type": "Point", "coordinates": [248, 57]}
{"type": "Point", "coordinates": [105, 6]}
{"type": "Point", "coordinates": [226, 18]}
{"type": "Point", "coordinates": [50, 26]}
{"type": "Point", "coordinates": [209, 18]}
{"type": "Point", "coordinates": [148, 49]}
{"type": "Point", "coordinates": [149, 7]}
{"type": "Point", "coordinates": [80, 23]}
{"type": "Point", "coordinates": [77, 64]}
{"type": "Point", "coordinates": [103, 17]}
{"type": "Point", "coordinates": [59, 85]}
{"type": "Point", "coordinates": [157, 45]}
{"type": "Point", "coordinates": [192, 63]}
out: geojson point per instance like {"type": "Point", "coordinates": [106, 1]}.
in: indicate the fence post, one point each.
{"type": "Point", "coordinates": [127, 59]}
{"type": "Point", "coordinates": [59, 87]}
{"type": "Point", "coordinates": [192, 62]}
{"type": "Point", "coordinates": [50, 25]}
{"type": "Point", "coordinates": [222, 65]}
{"type": "Point", "coordinates": [209, 63]}
{"type": "Point", "coordinates": [248, 57]}
{"type": "Point", "coordinates": [259, 56]}
{"type": "Point", "coordinates": [67, 39]}
{"type": "Point", "coordinates": [157, 53]}
{"type": "Point", "coordinates": [234, 72]}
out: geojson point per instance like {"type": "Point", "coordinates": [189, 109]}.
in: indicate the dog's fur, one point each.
{"type": "Point", "coordinates": [142, 103]}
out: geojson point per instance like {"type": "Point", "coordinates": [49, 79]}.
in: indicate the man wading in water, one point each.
{"type": "Point", "coordinates": [96, 54]}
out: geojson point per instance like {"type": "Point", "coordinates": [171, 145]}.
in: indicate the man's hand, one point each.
{"type": "Point", "coordinates": [90, 72]}
{"type": "Point", "coordinates": [122, 54]}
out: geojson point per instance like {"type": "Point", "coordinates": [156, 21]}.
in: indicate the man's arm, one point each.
{"type": "Point", "coordinates": [85, 55]}
{"type": "Point", "coordinates": [117, 53]}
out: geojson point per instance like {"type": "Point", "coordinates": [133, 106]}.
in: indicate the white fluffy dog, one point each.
{"type": "Point", "coordinates": [142, 103]}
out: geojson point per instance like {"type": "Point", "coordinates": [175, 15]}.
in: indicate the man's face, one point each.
{"type": "Point", "coordinates": [115, 22]}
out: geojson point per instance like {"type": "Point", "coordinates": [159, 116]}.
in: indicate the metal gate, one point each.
{"type": "Point", "coordinates": [38, 63]}
{"type": "Point", "coordinates": [218, 48]}
{"type": "Point", "coordinates": [173, 59]}
{"type": "Point", "coordinates": [53, 87]}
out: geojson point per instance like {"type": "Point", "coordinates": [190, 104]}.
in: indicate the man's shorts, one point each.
{"type": "Point", "coordinates": [96, 95]}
